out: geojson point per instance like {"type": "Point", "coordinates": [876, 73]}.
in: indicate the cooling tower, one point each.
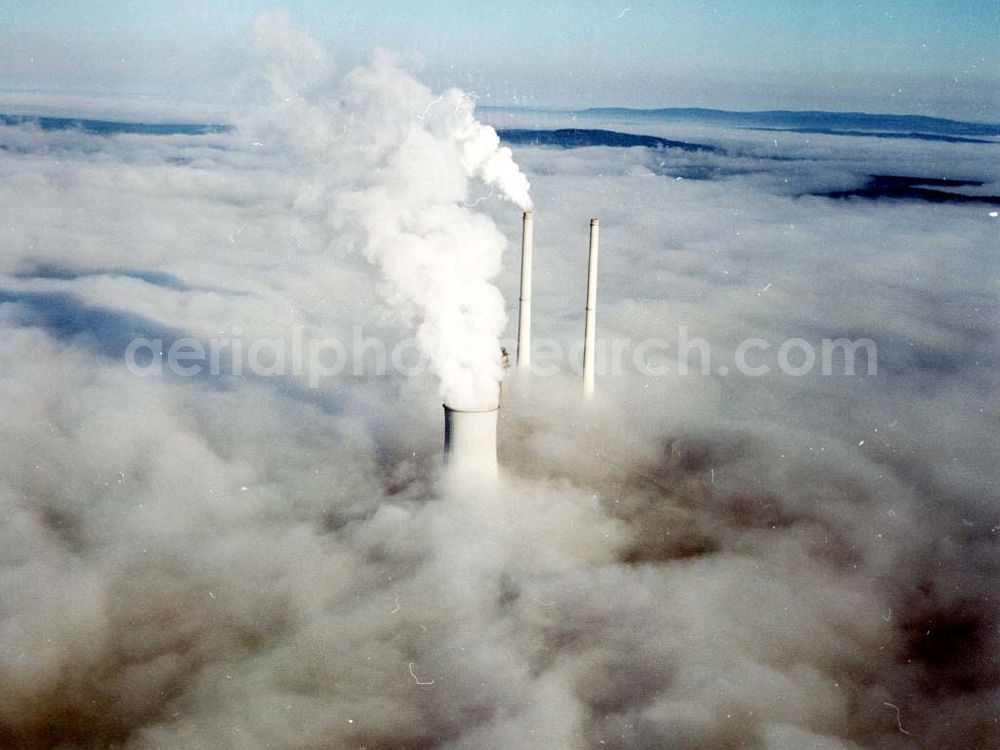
{"type": "Point", "coordinates": [470, 444]}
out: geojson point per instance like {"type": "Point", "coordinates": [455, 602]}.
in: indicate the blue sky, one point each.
{"type": "Point", "coordinates": [896, 55]}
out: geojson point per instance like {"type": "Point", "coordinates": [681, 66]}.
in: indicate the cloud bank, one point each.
{"type": "Point", "coordinates": [698, 561]}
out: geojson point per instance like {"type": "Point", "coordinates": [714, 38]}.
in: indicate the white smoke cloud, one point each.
{"type": "Point", "coordinates": [391, 161]}
{"type": "Point", "coordinates": [695, 562]}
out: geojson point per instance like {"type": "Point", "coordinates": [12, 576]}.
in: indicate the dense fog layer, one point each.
{"type": "Point", "coordinates": [268, 557]}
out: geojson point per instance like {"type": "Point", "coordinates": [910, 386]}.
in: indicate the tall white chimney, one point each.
{"type": "Point", "coordinates": [470, 445]}
{"type": "Point", "coordinates": [524, 316]}
{"type": "Point", "coordinates": [590, 332]}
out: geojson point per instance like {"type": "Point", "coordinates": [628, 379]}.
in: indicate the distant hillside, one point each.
{"type": "Point", "coordinates": [856, 121]}
{"type": "Point", "coordinates": [110, 127]}
{"type": "Point", "coordinates": [580, 138]}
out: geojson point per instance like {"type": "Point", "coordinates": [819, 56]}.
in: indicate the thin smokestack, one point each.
{"type": "Point", "coordinates": [590, 335]}
{"type": "Point", "coordinates": [470, 445]}
{"type": "Point", "coordinates": [524, 317]}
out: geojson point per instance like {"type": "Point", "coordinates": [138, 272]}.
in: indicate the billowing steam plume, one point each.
{"type": "Point", "coordinates": [395, 166]}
